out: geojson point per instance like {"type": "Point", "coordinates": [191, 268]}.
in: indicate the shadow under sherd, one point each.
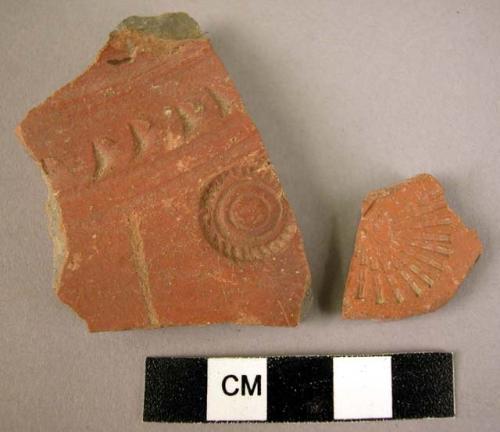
{"type": "Point", "coordinates": [331, 288]}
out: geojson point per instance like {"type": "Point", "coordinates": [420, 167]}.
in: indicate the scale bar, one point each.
{"type": "Point", "coordinates": [299, 389]}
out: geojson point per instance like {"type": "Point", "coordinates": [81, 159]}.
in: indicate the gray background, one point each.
{"type": "Point", "coordinates": [349, 96]}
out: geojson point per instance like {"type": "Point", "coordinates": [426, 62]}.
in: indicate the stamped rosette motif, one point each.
{"type": "Point", "coordinates": [245, 215]}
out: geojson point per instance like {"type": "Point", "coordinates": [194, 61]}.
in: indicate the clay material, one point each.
{"type": "Point", "coordinates": [164, 207]}
{"type": "Point", "coordinates": [411, 254]}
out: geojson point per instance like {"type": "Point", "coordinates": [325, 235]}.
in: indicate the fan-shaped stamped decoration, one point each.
{"type": "Point", "coordinates": [411, 253]}
{"type": "Point", "coordinates": [245, 215]}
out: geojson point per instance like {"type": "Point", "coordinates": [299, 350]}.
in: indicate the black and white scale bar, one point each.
{"type": "Point", "coordinates": [299, 389]}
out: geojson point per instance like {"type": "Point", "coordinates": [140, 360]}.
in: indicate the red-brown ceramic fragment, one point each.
{"type": "Point", "coordinates": [164, 207]}
{"type": "Point", "coordinates": [411, 253]}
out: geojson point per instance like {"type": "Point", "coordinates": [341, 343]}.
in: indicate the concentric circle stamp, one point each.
{"type": "Point", "coordinates": [245, 215]}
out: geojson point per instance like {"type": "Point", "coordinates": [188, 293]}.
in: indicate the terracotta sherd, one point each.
{"type": "Point", "coordinates": [411, 253]}
{"type": "Point", "coordinates": [164, 207]}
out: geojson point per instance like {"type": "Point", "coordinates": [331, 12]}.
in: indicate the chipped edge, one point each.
{"type": "Point", "coordinates": [55, 221]}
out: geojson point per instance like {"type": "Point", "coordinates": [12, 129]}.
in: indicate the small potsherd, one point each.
{"type": "Point", "coordinates": [411, 253]}
{"type": "Point", "coordinates": [164, 207]}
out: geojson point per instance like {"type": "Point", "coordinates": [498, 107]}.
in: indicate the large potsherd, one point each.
{"type": "Point", "coordinates": [164, 207]}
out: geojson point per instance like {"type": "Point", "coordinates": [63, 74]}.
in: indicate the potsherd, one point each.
{"type": "Point", "coordinates": [411, 252]}
{"type": "Point", "coordinates": [164, 208]}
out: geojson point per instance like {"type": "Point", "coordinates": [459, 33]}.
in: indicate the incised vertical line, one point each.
{"type": "Point", "coordinates": [141, 267]}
